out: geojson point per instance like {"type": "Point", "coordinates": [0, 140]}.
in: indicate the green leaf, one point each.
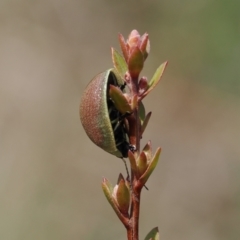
{"type": "Point", "coordinates": [156, 78]}
{"type": "Point", "coordinates": [119, 63]}
{"type": "Point", "coordinates": [107, 185]}
{"type": "Point", "coordinates": [133, 162]}
{"type": "Point", "coordinates": [153, 234]}
{"type": "Point", "coordinates": [143, 179]}
{"type": "Point", "coordinates": [141, 112]}
{"type": "Point", "coordinates": [157, 75]}
{"type": "Point", "coordinates": [145, 122]}
{"type": "Point", "coordinates": [123, 196]}
{"type": "Point", "coordinates": [148, 150]}
{"type": "Point", "coordinates": [108, 191]}
{"type": "Point", "coordinates": [142, 163]}
{"type": "Point", "coordinates": [119, 100]}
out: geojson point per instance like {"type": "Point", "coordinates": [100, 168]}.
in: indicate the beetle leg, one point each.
{"type": "Point", "coordinates": [123, 86]}
{"type": "Point", "coordinates": [115, 122]}
{"type": "Point", "coordinates": [128, 176]}
{"type": "Point", "coordinates": [116, 127]}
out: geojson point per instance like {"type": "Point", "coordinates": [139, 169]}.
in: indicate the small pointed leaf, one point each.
{"type": "Point", "coordinates": [145, 45]}
{"type": "Point", "coordinates": [108, 191]}
{"type": "Point", "coordinates": [123, 196]}
{"type": "Point", "coordinates": [156, 78]}
{"type": "Point", "coordinates": [120, 177]}
{"type": "Point", "coordinates": [119, 100]}
{"type": "Point", "coordinates": [107, 187]}
{"type": "Point", "coordinates": [157, 75]}
{"type": "Point", "coordinates": [145, 122]}
{"type": "Point", "coordinates": [153, 234]}
{"type": "Point", "coordinates": [151, 167]}
{"type": "Point", "coordinates": [142, 163]}
{"type": "Point", "coordinates": [148, 150]}
{"type": "Point", "coordinates": [123, 46]}
{"type": "Point", "coordinates": [133, 162]}
{"type": "Point", "coordinates": [135, 63]}
{"type": "Point", "coordinates": [141, 112]}
{"type": "Point", "coordinates": [119, 63]}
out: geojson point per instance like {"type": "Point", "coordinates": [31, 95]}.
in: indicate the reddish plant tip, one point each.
{"type": "Point", "coordinates": [134, 32]}
{"type": "Point", "coordinates": [145, 45]}
{"type": "Point", "coordinates": [134, 39]}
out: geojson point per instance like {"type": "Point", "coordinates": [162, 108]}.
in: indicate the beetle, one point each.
{"type": "Point", "coordinates": [102, 122]}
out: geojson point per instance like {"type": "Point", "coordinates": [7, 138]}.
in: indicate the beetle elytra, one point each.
{"type": "Point", "coordinates": [101, 121]}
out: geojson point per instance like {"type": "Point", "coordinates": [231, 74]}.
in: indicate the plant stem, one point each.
{"type": "Point", "coordinates": [134, 139]}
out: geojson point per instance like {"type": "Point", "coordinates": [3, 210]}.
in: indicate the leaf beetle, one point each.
{"type": "Point", "coordinates": [102, 122]}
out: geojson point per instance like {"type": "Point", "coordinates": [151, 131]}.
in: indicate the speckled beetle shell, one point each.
{"type": "Point", "coordinates": [100, 118]}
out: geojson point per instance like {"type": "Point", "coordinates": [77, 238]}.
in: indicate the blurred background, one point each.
{"type": "Point", "coordinates": [50, 172]}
